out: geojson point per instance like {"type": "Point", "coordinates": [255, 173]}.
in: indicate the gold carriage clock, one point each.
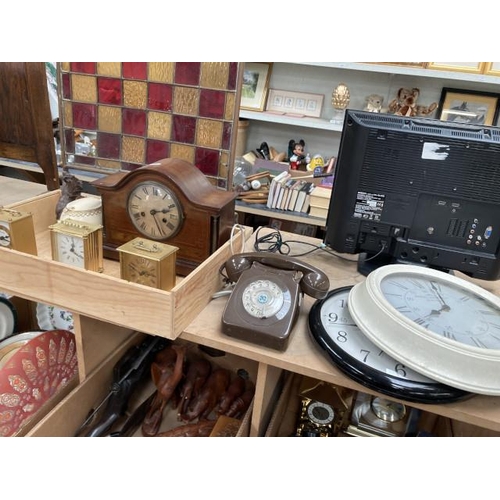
{"type": "Point", "coordinates": [77, 244]}
{"type": "Point", "coordinates": [149, 263]}
{"type": "Point", "coordinates": [17, 231]}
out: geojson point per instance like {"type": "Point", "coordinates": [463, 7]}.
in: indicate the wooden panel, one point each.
{"type": "Point", "coordinates": [27, 133]}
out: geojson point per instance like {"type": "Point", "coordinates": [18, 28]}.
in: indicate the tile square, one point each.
{"type": "Point", "coordinates": [232, 80]}
{"type": "Point", "coordinates": [84, 88]}
{"type": "Point", "coordinates": [209, 133]}
{"type": "Point", "coordinates": [156, 150]}
{"type": "Point", "coordinates": [83, 67]}
{"type": "Point", "coordinates": [108, 145]}
{"type": "Point", "coordinates": [85, 160]}
{"type": "Point", "coordinates": [110, 119]}
{"type": "Point", "coordinates": [84, 116]}
{"type": "Point", "coordinates": [214, 75]}
{"type": "Point", "coordinates": [134, 121]}
{"type": "Point", "coordinates": [207, 160]}
{"type": "Point", "coordinates": [183, 152]}
{"type": "Point", "coordinates": [69, 137]}
{"type": "Point", "coordinates": [110, 90]}
{"type": "Point", "coordinates": [66, 85]}
{"type": "Point", "coordinates": [160, 96]}
{"type": "Point", "coordinates": [186, 101]}
{"type": "Point", "coordinates": [184, 129]}
{"type": "Point", "coordinates": [133, 149]}
{"type": "Point", "coordinates": [109, 69]}
{"type": "Point", "coordinates": [212, 103]}
{"type": "Point", "coordinates": [67, 113]}
{"type": "Point", "coordinates": [161, 72]}
{"type": "Point", "coordinates": [230, 107]}
{"type": "Point", "coordinates": [135, 70]}
{"type": "Point", "coordinates": [227, 130]}
{"type": "Point", "coordinates": [159, 125]}
{"type": "Point", "coordinates": [187, 73]}
{"type": "Point", "coordinates": [135, 94]}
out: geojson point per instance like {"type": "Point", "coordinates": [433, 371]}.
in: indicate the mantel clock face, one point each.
{"type": "Point", "coordinates": [171, 202]}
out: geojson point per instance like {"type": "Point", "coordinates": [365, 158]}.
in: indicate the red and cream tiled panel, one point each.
{"type": "Point", "coordinates": [122, 115]}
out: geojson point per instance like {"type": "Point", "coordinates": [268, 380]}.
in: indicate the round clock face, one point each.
{"type": "Point", "coordinates": [70, 250]}
{"type": "Point", "coordinates": [388, 411]}
{"type": "Point", "coordinates": [4, 236]}
{"type": "Point", "coordinates": [143, 271]}
{"type": "Point", "coordinates": [154, 210]}
{"type": "Point", "coordinates": [332, 326]}
{"type": "Point", "coordinates": [320, 413]}
{"type": "Point", "coordinates": [442, 326]}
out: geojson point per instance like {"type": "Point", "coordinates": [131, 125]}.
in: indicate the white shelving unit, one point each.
{"type": "Point", "coordinates": [322, 136]}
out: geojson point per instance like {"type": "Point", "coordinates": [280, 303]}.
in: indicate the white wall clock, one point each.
{"type": "Point", "coordinates": [332, 326]}
{"type": "Point", "coordinates": [440, 325]}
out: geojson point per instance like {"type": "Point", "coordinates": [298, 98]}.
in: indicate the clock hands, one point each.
{"type": "Point", "coordinates": [444, 305]}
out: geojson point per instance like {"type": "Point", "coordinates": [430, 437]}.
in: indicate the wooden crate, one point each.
{"type": "Point", "coordinates": [105, 296]}
{"type": "Point", "coordinates": [66, 417]}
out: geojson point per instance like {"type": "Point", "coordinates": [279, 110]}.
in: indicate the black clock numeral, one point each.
{"type": "Point", "coordinates": [449, 335]}
{"type": "Point", "coordinates": [400, 369]}
{"type": "Point", "coordinates": [145, 190]}
{"type": "Point", "coordinates": [341, 336]}
{"type": "Point", "coordinates": [333, 317]}
{"type": "Point", "coordinates": [478, 342]}
{"type": "Point", "coordinates": [404, 309]}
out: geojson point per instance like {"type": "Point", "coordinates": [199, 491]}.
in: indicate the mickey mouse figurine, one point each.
{"type": "Point", "coordinates": [296, 155]}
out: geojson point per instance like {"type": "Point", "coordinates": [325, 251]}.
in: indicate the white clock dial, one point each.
{"type": "Point", "coordinates": [154, 210]}
{"type": "Point", "coordinates": [4, 236]}
{"type": "Point", "coordinates": [440, 325]}
{"type": "Point", "coordinates": [70, 250]}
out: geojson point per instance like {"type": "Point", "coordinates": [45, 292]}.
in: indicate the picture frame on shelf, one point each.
{"type": "Point", "coordinates": [297, 104]}
{"type": "Point", "coordinates": [468, 106]}
{"type": "Point", "coordinates": [255, 85]}
{"type": "Point", "coordinates": [465, 67]}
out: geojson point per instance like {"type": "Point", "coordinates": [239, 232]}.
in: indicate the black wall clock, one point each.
{"type": "Point", "coordinates": [333, 328]}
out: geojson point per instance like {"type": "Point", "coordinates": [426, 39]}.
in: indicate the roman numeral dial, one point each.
{"type": "Point", "coordinates": [154, 211]}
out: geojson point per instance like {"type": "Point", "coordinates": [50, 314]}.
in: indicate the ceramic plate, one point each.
{"type": "Point", "coordinates": [10, 346]}
{"type": "Point", "coordinates": [33, 375]}
{"type": "Point", "coordinates": [8, 318]}
{"type": "Point", "coordinates": [53, 318]}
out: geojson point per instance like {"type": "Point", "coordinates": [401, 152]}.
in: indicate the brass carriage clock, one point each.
{"type": "Point", "coordinates": [17, 231]}
{"type": "Point", "coordinates": [149, 263]}
{"type": "Point", "coordinates": [77, 244]}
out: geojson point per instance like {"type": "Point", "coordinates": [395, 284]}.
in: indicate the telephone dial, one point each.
{"type": "Point", "coordinates": [265, 302]}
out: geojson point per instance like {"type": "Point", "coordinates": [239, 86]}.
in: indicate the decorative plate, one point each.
{"type": "Point", "coordinates": [33, 375]}
{"type": "Point", "coordinates": [53, 318]}
{"type": "Point", "coordinates": [8, 318]}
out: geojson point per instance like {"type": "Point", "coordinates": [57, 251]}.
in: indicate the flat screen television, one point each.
{"type": "Point", "coordinates": [419, 191]}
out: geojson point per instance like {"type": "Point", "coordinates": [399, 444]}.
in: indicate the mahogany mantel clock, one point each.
{"type": "Point", "coordinates": [169, 201]}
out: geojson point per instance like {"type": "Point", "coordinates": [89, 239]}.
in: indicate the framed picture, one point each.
{"type": "Point", "coordinates": [466, 67]}
{"type": "Point", "coordinates": [255, 85]}
{"type": "Point", "coordinates": [297, 104]}
{"type": "Point", "coordinates": [468, 106]}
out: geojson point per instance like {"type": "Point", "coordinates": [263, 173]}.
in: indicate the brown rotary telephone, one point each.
{"type": "Point", "coordinates": [265, 302]}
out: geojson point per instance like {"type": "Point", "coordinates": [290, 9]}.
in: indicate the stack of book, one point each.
{"type": "Point", "coordinates": [290, 194]}
{"type": "Point", "coordinates": [320, 202]}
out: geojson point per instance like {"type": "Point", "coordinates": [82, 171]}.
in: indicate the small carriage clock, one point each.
{"type": "Point", "coordinates": [149, 263]}
{"type": "Point", "coordinates": [17, 231]}
{"type": "Point", "coordinates": [77, 244]}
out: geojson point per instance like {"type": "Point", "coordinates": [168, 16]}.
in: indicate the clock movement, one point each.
{"type": "Point", "coordinates": [170, 201]}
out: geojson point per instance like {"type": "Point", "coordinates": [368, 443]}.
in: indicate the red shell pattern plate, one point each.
{"type": "Point", "coordinates": [37, 371]}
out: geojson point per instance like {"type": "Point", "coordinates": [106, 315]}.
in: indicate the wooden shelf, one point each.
{"type": "Point", "coordinates": [314, 123]}
{"type": "Point", "coordinates": [279, 214]}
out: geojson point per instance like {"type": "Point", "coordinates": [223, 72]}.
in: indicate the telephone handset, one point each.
{"type": "Point", "coordinates": [265, 302]}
